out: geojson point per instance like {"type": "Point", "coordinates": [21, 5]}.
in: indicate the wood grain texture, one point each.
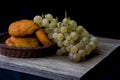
{"type": "Point", "coordinates": [60, 67]}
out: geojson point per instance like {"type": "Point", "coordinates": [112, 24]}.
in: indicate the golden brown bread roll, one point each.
{"type": "Point", "coordinates": [9, 42]}
{"type": "Point", "coordinates": [42, 37]}
{"type": "Point", "coordinates": [22, 28]}
{"type": "Point", "coordinates": [22, 42]}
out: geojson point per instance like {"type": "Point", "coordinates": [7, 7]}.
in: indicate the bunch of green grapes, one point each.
{"type": "Point", "coordinates": [72, 39]}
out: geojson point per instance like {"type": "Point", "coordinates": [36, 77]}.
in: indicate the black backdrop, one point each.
{"type": "Point", "coordinates": [100, 18]}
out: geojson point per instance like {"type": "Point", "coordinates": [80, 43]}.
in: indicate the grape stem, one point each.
{"type": "Point", "coordinates": [65, 14]}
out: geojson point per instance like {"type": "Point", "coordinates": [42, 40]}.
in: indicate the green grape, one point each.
{"type": "Point", "coordinates": [78, 39]}
{"type": "Point", "coordinates": [66, 42]}
{"type": "Point", "coordinates": [45, 22]}
{"type": "Point", "coordinates": [59, 24]}
{"type": "Point", "coordinates": [85, 40]}
{"type": "Point", "coordinates": [76, 58]}
{"type": "Point", "coordinates": [68, 37]}
{"type": "Point", "coordinates": [66, 34]}
{"type": "Point", "coordinates": [50, 35]}
{"type": "Point", "coordinates": [63, 49]}
{"type": "Point", "coordinates": [77, 45]}
{"type": "Point", "coordinates": [54, 35]}
{"type": "Point", "coordinates": [73, 25]}
{"type": "Point", "coordinates": [54, 21]}
{"type": "Point", "coordinates": [52, 26]}
{"type": "Point", "coordinates": [94, 39]}
{"type": "Point", "coordinates": [56, 30]}
{"type": "Point", "coordinates": [60, 37]}
{"type": "Point", "coordinates": [65, 20]}
{"type": "Point", "coordinates": [72, 42]}
{"type": "Point", "coordinates": [81, 45]}
{"type": "Point", "coordinates": [60, 43]}
{"type": "Point", "coordinates": [69, 47]}
{"type": "Point", "coordinates": [49, 17]}
{"type": "Point", "coordinates": [82, 53]}
{"type": "Point", "coordinates": [85, 34]}
{"type": "Point", "coordinates": [63, 29]}
{"type": "Point", "coordinates": [38, 20]}
{"type": "Point", "coordinates": [92, 44]}
{"type": "Point", "coordinates": [74, 49]}
{"type": "Point", "coordinates": [74, 35]}
{"type": "Point", "coordinates": [88, 49]}
{"type": "Point", "coordinates": [79, 29]}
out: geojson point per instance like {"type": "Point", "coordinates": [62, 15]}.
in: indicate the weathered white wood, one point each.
{"type": "Point", "coordinates": [60, 67]}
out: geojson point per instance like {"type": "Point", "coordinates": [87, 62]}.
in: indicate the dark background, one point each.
{"type": "Point", "coordinates": [100, 18]}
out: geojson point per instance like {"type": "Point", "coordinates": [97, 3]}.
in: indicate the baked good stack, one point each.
{"type": "Point", "coordinates": [26, 39]}
{"type": "Point", "coordinates": [25, 33]}
{"type": "Point", "coordinates": [22, 34]}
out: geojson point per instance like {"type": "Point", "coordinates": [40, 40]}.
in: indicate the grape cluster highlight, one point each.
{"type": "Point", "coordinates": [72, 39]}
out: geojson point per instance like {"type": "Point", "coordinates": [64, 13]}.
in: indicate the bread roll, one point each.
{"type": "Point", "coordinates": [27, 42]}
{"type": "Point", "coordinates": [22, 28]}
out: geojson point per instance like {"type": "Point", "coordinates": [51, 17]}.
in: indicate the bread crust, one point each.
{"type": "Point", "coordinates": [22, 28]}
{"type": "Point", "coordinates": [42, 37]}
{"type": "Point", "coordinates": [27, 42]}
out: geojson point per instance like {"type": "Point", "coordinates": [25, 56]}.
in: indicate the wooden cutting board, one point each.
{"type": "Point", "coordinates": [60, 67]}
